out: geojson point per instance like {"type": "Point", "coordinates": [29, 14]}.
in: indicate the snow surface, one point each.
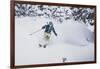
{"type": "Point", "coordinates": [74, 42]}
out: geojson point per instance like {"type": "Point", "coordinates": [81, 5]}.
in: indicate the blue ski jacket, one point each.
{"type": "Point", "coordinates": [49, 29]}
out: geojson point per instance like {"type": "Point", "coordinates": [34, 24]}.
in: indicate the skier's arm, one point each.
{"type": "Point", "coordinates": [43, 26]}
{"type": "Point", "coordinates": [54, 31]}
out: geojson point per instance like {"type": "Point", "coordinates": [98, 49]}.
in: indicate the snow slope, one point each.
{"type": "Point", "coordinates": [74, 42]}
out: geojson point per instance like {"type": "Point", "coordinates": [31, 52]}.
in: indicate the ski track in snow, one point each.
{"type": "Point", "coordinates": [71, 42]}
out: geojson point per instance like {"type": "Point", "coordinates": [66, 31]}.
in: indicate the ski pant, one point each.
{"type": "Point", "coordinates": [47, 37]}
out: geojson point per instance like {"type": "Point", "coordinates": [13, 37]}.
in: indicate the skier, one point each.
{"type": "Point", "coordinates": [47, 33]}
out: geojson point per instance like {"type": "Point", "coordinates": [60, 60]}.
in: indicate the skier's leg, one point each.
{"type": "Point", "coordinates": [46, 38]}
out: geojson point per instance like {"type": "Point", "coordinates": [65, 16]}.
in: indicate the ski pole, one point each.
{"type": "Point", "coordinates": [35, 31]}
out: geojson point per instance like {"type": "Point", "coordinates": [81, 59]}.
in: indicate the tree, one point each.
{"type": "Point", "coordinates": [83, 14]}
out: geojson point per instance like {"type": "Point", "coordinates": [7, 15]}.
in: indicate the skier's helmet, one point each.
{"type": "Point", "coordinates": [50, 23]}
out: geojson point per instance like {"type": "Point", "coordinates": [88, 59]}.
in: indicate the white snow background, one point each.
{"type": "Point", "coordinates": [74, 42]}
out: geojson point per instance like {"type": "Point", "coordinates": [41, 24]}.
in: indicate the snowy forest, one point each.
{"type": "Point", "coordinates": [86, 15]}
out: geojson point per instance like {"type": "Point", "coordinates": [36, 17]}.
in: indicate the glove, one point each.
{"type": "Point", "coordinates": [56, 34]}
